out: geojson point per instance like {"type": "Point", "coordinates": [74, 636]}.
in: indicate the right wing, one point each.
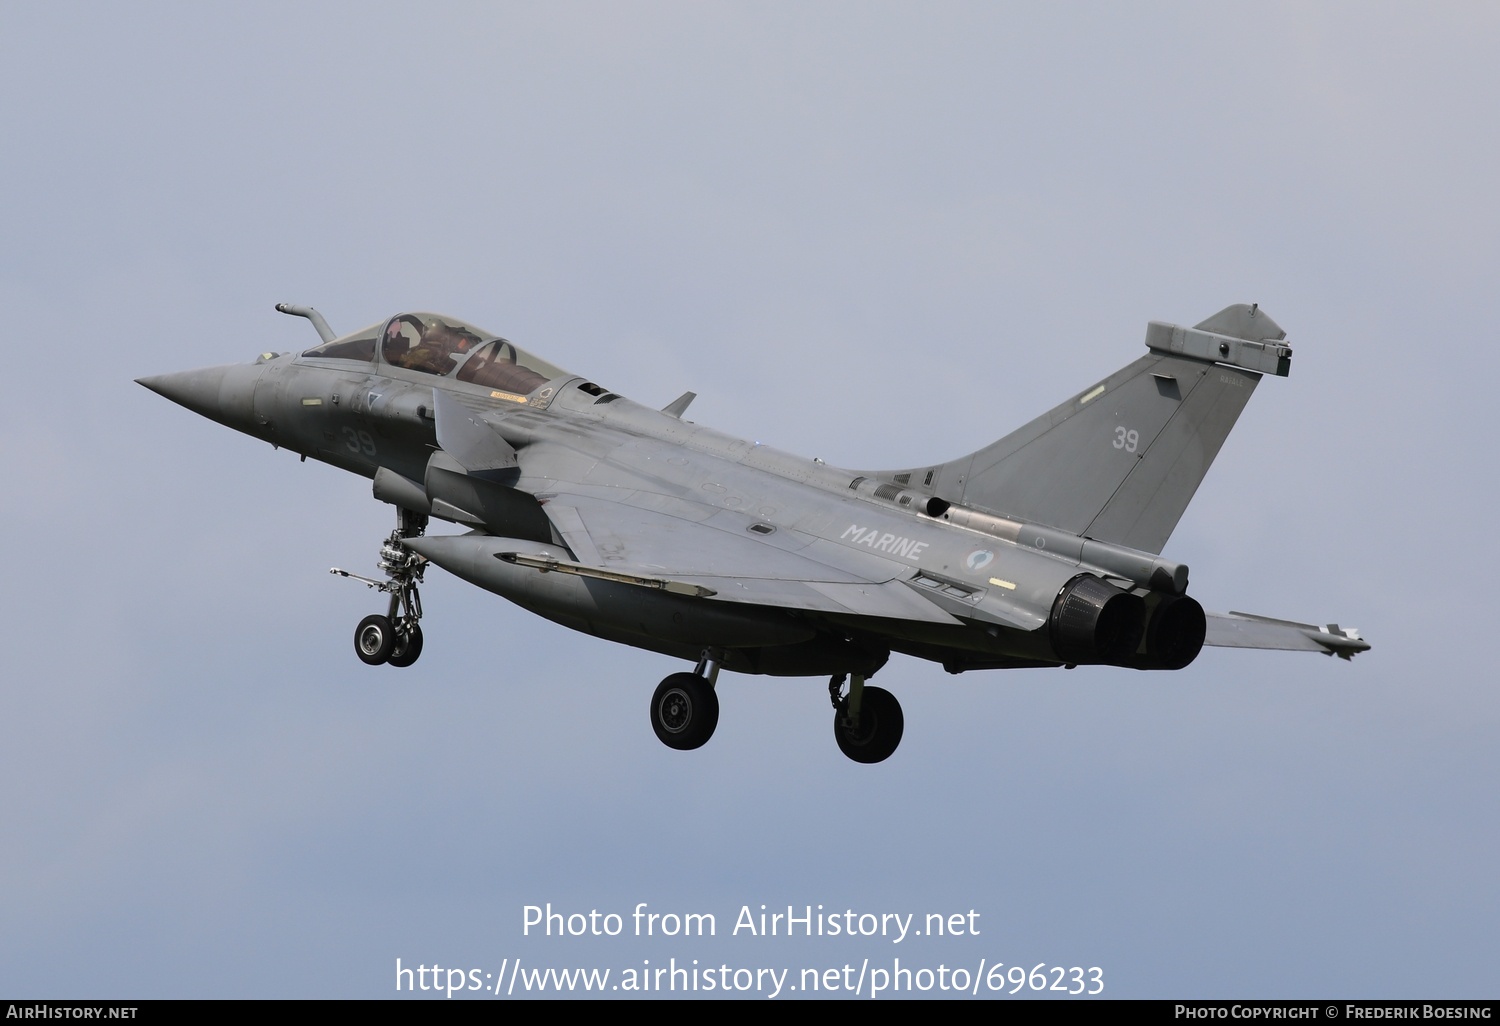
{"type": "Point", "coordinates": [1246, 630]}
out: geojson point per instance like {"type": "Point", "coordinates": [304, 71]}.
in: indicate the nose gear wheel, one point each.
{"type": "Point", "coordinates": [396, 636]}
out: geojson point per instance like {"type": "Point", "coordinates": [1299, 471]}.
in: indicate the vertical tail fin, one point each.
{"type": "Point", "coordinates": [1120, 461]}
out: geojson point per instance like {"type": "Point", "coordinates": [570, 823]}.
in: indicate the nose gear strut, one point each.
{"type": "Point", "coordinates": [395, 637]}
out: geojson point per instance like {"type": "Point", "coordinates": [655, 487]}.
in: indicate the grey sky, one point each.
{"type": "Point", "coordinates": [878, 233]}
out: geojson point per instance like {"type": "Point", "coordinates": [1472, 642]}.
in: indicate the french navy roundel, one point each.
{"type": "Point", "coordinates": [980, 558]}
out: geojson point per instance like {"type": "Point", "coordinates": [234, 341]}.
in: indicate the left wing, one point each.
{"type": "Point", "coordinates": [633, 535]}
{"type": "Point", "coordinates": [719, 555]}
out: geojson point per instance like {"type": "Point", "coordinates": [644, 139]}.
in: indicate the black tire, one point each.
{"type": "Point", "coordinates": [407, 647]}
{"type": "Point", "coordinates": [373, 639]}
{"type": "Point", "coordinates": [880, 726]}
{"type": "Point", "coordinates": [684, 711]}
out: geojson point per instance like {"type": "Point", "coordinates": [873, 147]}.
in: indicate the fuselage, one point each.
{"type": "Point", "coordinates": [990, 592]}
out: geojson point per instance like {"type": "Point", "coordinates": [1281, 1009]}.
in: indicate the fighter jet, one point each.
{"type": "Point", "coordinates": [632, 524]}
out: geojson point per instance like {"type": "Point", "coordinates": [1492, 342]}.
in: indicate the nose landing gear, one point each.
{"type": "Point", "coordinates": [396, 637]}
{"type": "Point", "coordinates": [374, 639]}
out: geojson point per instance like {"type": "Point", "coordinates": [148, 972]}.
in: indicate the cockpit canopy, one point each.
{"type": "Point", "coordinates": [434, 344]}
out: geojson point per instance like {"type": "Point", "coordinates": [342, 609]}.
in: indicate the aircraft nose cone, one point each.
{"type": "Point", "coordinates": [198, 390]}
{"type": "Point", "coordinates": [225, 394]}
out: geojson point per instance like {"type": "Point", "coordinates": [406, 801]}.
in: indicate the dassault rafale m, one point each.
{"type": "Point", "coordinates": [634, 525]}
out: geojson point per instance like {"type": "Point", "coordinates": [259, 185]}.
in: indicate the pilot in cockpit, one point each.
{"type": "Point", "coordinates": [440, 347]}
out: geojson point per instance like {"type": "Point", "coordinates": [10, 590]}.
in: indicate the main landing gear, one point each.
{"type": "Point", "coordinates": [685, 707]}
{"type": "Point", "coordinates": [867, 722]}
{"type": "Point", "coordinates": [396, 637]}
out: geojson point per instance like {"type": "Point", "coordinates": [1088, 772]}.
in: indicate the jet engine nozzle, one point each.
{"type": "Point", "coordinates": [1174, 634]}
{"type": "Point", "coordinates": [1095, 622]}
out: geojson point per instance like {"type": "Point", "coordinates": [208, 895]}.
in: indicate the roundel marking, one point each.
{"type": "Point", "coordinates": [979, 559]}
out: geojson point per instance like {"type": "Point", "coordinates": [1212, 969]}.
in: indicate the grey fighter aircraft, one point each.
{"type": "Point", "coordinates": [632, 524]}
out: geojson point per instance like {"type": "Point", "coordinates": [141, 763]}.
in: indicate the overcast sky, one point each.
{"type": "Point", "coordinates": [882, 234]}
